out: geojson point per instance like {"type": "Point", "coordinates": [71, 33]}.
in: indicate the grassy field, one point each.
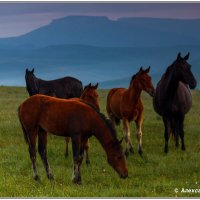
{"type": "Point", "coordinates": [153, 175]}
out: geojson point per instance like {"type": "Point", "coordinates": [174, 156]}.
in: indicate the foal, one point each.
{"type": "Point", "coordinates": [126, 105]}
{"type": "Point", "coordinates": [42, 114]}
{"type": "Point", "coordinates": [90, 96]}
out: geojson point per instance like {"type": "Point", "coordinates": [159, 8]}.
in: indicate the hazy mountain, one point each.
{"type": "Point", "coordinates": [101, 31]}
{"type": "Point", "coordinates": [97, 49]}
{"type": "Point", "coordinates": [111, 66]}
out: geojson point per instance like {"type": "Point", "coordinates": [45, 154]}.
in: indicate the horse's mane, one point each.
{"type": "Point", "coordinates": [108, 122]}
{"type": "Point", "coordinates": [133, 77]}
{"type": "Point", "coordinates": [167, 72]}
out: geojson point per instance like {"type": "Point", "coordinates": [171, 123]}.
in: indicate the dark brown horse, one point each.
{"type": "Point", "coordinates": [173, 98]}
{"type": "Point", "coordinates": [90, 96]}
{"type": "Point", "coordinates": [66, 87]}
{"type": "Point", "coordinates": [78, 120]}
{"type": "Point", "coordinates": [126, 105]}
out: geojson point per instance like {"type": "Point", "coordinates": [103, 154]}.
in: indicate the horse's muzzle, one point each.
{"type": "Point", "coordinates": [152, 92]}
{"type": "Point", "coordinates": [192, 86]}
{"type": "Point", "coordinates": [125, 175]}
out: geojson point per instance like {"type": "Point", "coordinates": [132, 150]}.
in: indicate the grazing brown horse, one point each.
{"type": "Point", "coordinates": [90, 96]}
{"type": "Point", "coordinates": [173, 98]}
{"type": "Point", "coordinates": [126, 105]}
{"type": "Point", "coordinates": [78, 120]}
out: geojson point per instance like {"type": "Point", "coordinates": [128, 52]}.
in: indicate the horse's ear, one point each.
{"type": "Point", "coordinates": [96, 86]}
{"type": "Point", "coordinates": [187, 56]}
{"type": "Point", "coordinates": [32, 71]}
{"type": "Point", "coordinates": [179, 56]}
{"type": "Point", "coordinates": [141, 69]}
{"type": "Point", "coordinates": [26, 70]}
{"type": "Point", "coordinates": [90, 85]}
{"type": "Point", "coordinates": [147, 70]}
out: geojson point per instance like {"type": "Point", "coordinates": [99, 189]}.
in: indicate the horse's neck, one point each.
{"type": "Point", "coordinates": [134, 93]}
{"type": "Point", "coordinates": [103, 133]}
{"type": "Point", "coordinates": [171, 86]}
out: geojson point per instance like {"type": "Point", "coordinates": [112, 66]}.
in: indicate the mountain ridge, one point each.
{"type": "Point", "coordinates": [101, 31]}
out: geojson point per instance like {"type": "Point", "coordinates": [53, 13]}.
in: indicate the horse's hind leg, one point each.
{"type": "Point", "coordinates": [32, 152]}
{"type": "Point", "coordinates": [67, 139]}
{"type": "Point", "coordinates": [129, 147]}
{"type": "Point", "coordinates": [42, 149]}
{"type": "Point", "coordinates": [166, 133]}
{"type": "Point", "coordinates": [86, 151]}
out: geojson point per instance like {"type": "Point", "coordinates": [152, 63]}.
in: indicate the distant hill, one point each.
{"type": "Point", "coordinates": [97, 49]}
{"type": "Point", "coordinates": [101, 31]}
{"type": "Point", "coordinates": [111, 66]}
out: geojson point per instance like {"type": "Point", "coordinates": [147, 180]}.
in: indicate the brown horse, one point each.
{"type": "Point", "coordinates": [90, 96]}
{"type": "Point", "coordinates": [126, 105]}
{"type": "Point", "coordinates": [42, 114]}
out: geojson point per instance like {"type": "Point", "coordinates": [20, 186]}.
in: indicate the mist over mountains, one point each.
{"type": "Point", "coordinates": [96, 49]}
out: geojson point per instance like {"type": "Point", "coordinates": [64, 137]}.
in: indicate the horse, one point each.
{"type": "Point", "coordinates": [41, 114]}
{"type": "Point", "coordinates": [126, 105]}
{"type": "Point", "coordinates": [89, 95]}
{"type": "Point", "coordinates": [66, 87]}
{"type": "Point", "coordinates": [173, 98]}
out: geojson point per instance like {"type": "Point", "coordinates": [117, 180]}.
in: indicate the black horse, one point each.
{"type": "Point", "coordinates": [173, 98]}
{"type": "Point", "coordinates": [67, 87]}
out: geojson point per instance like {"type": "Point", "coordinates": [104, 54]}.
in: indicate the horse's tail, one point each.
{"type": "Point", "coordinates": [110, 114]}
{"type": "Point", "coordinates": [24, 131]}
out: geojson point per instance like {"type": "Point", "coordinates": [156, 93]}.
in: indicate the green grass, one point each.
{"type": "Point", "coordinates": [153, 175]}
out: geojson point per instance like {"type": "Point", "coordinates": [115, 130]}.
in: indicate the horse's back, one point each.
{"type": "Point", "coordinates": [57, 116]}
{"type": "Point", "coordinates": [66, 87]}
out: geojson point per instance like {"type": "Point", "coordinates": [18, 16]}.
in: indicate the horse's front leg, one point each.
{"type": "Point", "coordinates": [167, 132]}
{"type": "Point", "coordinates": [182, 133]}
{"type": "Point", "coordinates": [76, 146]}
{"type": "Point", "coordinates": [129, 147]}
{"type": "Point", "coordinates": [138, 123]}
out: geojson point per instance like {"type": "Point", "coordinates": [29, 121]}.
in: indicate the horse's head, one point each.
{"type": "Point", "coordinates": [31, 84]}
{"type": "Point", "coordinates": [117, 159]}
{"type": "Point", "coordinates": [182, 70]}
{"type": "Point", "coordinates": [90, 95]}
{"type": "Point", "coordinates": [144, 81]}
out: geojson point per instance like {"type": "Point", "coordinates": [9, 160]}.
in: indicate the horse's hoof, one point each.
{"type": "Point", "coordinates": [126, 153]}
{"type": "Point", "coordinates": [36, 178]}
{"type": "Point", "coordinates": [77, 179]}
{"type": "Point", "coordinates": [131, 150]}
{"type": "Point", "coordinates": [66, 155]}
{"type": "Point", "coordinates": [166, 150]}
{"type": "Point", "coordinates": [183, 148]}
{"type": "Point", "coordinates": [88, 162]}
{"type": "Point", "coordinates": [140, 152]}
{"type": "Point", "coordinates": [50, 177]}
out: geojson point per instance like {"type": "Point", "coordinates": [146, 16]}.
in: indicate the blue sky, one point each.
{"type": "Point", "coordinates": [21, 17]}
